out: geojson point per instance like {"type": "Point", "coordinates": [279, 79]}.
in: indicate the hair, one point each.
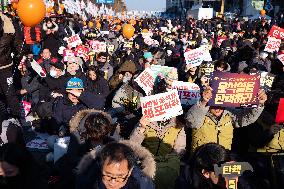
{"type": "Point", "coordinates": [97, 127]}
{"type": "Point", "coordinates": [207, 155]}
{"type": "Point", "coordinates": [221, 64]}
{"type": "Point", "coordinates": [96, 70]}
{"type": "Point", "coordinates": [117, 152]}
{"type": "Point", "coordinates": [104, 54]}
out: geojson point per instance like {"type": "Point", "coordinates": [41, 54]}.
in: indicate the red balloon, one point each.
{"type": "Point", "coordinates": [31, 12]}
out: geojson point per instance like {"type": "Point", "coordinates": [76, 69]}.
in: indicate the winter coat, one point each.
{"type": "Point", "coordinates": [64, 109]}
{"type": "Point", "coordinates": [126, 98]}
{"type": "Point", "coordinates": [10, 42]}
{"type": "Point", "coordinates": [50, 85]}
{"type": "Point", "coordinates": [79, 74]}
{"type": "Point", "coordinates": [105, 68]}
{"type": "Point", "coordinates": [161, 138]}
{"type": "Point", "coordinates": [127, 66]}
{"type": "Point", "coordinates": [98, 87]}
{"type": "Point", "coordinates": [52, 42]}
{"type": "Point", "coordinates": [77, 147]}
{"type": "Point", "coordinates": [206, 128]}
{"type": "Point", "coordinates": [32, 85]}
{"type": "Point", "coordinates": [89, 170]}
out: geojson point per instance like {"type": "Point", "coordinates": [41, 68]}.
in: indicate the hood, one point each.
{"type": "Point", "coordinates": [79, 119]}
{"type": "Point", "coordinates": [148, 165]}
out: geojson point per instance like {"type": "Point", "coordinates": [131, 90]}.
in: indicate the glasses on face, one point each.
{"type": "Point", "coordinates": [116, 179]}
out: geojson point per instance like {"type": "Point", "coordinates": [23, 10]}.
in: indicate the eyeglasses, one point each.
{"type": "Point", "coordinates": [116, 179]}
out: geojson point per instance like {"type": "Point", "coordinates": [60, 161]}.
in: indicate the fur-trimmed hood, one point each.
{"type": "Point", "coordinates": [81, 116]}
{"type": "Point", "coordinates": [148, 165]}
{"type": "Point", "coordinates": [8, 24]}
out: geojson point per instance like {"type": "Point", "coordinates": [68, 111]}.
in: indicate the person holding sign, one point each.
{"type": "Point", "coordinates": [216, 124]}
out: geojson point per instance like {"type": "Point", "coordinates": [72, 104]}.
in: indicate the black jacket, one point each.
{"type": "Point", "coordinates": [98, 87]}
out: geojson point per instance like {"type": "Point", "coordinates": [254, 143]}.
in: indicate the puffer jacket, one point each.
{"type": "Point", "coordinates": [10, 42]}
{"type": "Point", "coordinates": [88, 174]}
{"type": "Point", "coordinates": [206, 128]}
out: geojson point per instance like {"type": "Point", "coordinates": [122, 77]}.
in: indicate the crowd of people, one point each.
{"type": "Point", "coordinates": [94, 101]}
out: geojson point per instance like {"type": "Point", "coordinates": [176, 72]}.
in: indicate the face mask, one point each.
{"type": "Point", "coordinates": [53, 73]}
{"type": "Point", "coordinates": [126, 79]}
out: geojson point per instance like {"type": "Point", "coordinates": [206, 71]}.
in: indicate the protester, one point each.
{"type": "Point", "coordinates": [116, 166]}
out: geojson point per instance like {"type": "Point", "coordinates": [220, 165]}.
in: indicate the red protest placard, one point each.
{"type": "Point", "coordinates": [98, 46]}
{"type": "Point", "coordinates": [276, 32]}
{"type": "Point", "coordinates": [234, 90]}
{"type": "Point", "coordinates": [82, 51]}
{"type": "Point", "coordinates": [220, 40]}
{"type": "Point", "coordinates": [280, 112]}
{"type": "Point", "coordinates": [146, 80]}
{"type": "Point", "coordinates": [67, 53]}
{"type": "Point", "coordinates": [162, 106]}
{"type": "Point", "coordinates": [281, 58]}
{"type": "Point", "coordinates": [272, 45]}
{"type": "Point", "coordinates": [74, 40]}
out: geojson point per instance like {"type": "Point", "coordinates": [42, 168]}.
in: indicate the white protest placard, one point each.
{"type": "Point", "coordinates": [67, 53]}
{"type": "Point", "coordinates": [266, 81]}
{"type": "Point", "coordinates": [194, 57]}
{"type": "Point", "coordinates": [161, 107]}
{"type": "Point", "coordinates": [147, 35]}
{"type": "Point", "coordinates": [110, 48]}
{"type": "Point", "coordinates": [164, 29]}
{"type": "Point", "coordinates": [98, 46]}
{"type": "Point", "coordinates": [74, 40]}
{"type": "Point", "coordinates": [189, 93]}
{"type": "Point", "coordinates": [38, 69]}
{"type": "Point", "coordinates": [272, 45]}
{"type": "Point", "coordinates": [146, 80]}
{"type": "Point", "coordinates": [281, 58]}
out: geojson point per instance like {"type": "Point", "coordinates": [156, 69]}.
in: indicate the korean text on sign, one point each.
{"type": "Point", "coordinates": [276, 32]}
{"type": "Point", "coordinates": [281, 58]}
{"type": "Point", "coordinates": [189, 93]}
{"type": "Point", "coordinates": [162, 106]}
{"type": "Point", "coordinates": [74, 41]}
{"type": "Point", "coordinates": [234, 90]}
{"type": "Point", "coordinates": [194, 57]}
{"type": "Point", "coordinates": [272, 45]}
{"type": "Point", "coordinates": [146, 80]}
{"type": "Point", "coordinates": [98, 46]}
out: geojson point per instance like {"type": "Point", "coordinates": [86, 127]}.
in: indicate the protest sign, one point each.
{"type": "Point", "coordinates": [189, 93]}
{"type": "Point", "coordinates": [272, 45]}
{"type": "Point", "coordinates": [220, 40]}
{"type": "Point", "coordinates": [234, 90]}
{"type": "Point", "coordinates": [74, 40]}
{"type": "Point", "coordinates": [38, 69]}
{"type": "Point", "coordinates": [27, 107]}
{"type": "Point", "coordinates": [67, 53]}
{"type": "Point", "coordinates": [164, 29]}
{"type": "Point", "coordinates": [110, 48]}
{"type": "Point", "coordinates": [161, 107]}
{"type": "Point", "coordinates": [146, 80]}
{"type": "Point", "coordinates": [281, 58]}
{"type": "Point", "coordinates": [266, 81]}
{"type": "Point", "coordinates": [147, 35]}
{"type": "Point", "coordinates": [165, 71]}
{"type": "Point", "coordinates": [280, 112]}
{"type": "Point", "coordinates": [128, 44]}
{"type": "Point", "coordinates": [276, 32]}
{"type": "Point", "coordinates": [82, 51]}
{"type": "Point", "coordinates": [194, 57]}
{"type": "Point", "coordinates": [98, 46]}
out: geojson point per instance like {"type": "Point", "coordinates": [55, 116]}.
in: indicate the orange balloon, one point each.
{"type": "Point", "coordinates": [90, 24]}
{"type": "Point", "coordinates": [118, 27]}
{"type": "Point", "coordinates": [31, 12]}
{"type": "Point", "coordinates": [128, 31]}
{"type": "Point", "coordinates": [15, 5]}
{"type": "Point", "coordinates": [98, 25]}
{"type": "Point", "coordinates": [145, 31]}
{"type": "Point", "coordinates": [262, 12]}
{"type": "Point", "coordinates": [61, 6]}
